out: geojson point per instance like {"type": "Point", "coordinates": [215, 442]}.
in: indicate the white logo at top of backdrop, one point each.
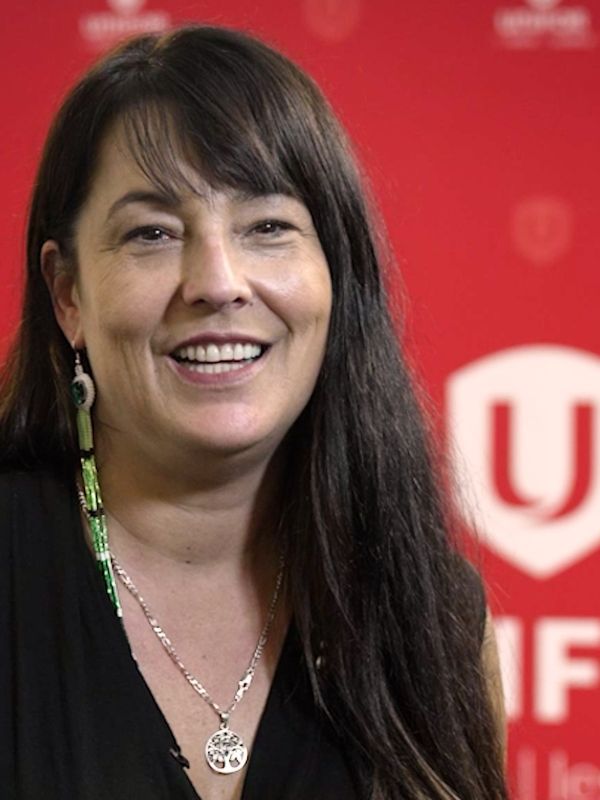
{"type": "Point", "coordinates": [543, 5]}
{"type": "Point", "coordinates": [102, 29]}
{"type": "Point", "coordinates": [525, 429]}
{"type": "Point", "coordinates": [544, 23]}
{"type": "Point", "coordinates": [126, 6]}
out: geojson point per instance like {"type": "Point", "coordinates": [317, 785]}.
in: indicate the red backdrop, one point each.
{"type": "Point", "coordinates": [478, 124]}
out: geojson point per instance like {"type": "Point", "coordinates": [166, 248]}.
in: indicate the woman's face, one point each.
{"type": "Point", "coordinates": [205, 317]}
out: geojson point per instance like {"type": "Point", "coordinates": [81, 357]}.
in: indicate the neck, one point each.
{"type": "Point", "coordinates": [216, 519]}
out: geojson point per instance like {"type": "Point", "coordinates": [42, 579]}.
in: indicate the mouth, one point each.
{"type": "Point", "coordinates": [213, 358]}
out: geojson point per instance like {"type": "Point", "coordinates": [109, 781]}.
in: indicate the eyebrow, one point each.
{"type": "Point", "coordinates": [144, 196]}
{"type": "Point", "coordinates": [173, 201]}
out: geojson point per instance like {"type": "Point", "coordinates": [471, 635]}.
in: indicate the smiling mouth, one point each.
{"type": "Point", "coordinates": [217, 358]}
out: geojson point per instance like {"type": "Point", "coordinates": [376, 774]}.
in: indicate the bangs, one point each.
{"type": "Point", "coordinates": [166, 138]}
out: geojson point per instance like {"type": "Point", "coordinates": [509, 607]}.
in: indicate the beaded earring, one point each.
{"type": "Point", "coordinates": [83, 393]}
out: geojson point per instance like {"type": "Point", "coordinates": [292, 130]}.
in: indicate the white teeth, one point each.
{"type": "Point", "coordinates": [226, 353]}
{"type": "Point", "coordinates": [214, 353]}
{"type": "Point", "coordinates": [212, 369]}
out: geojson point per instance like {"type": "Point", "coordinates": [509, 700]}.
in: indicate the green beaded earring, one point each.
{"type": "Point", "coordinates": [83, 393]}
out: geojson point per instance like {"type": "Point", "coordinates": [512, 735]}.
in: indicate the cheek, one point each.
{"type": "Point", "coordinates": [301, 297]}
{"type": "Point", "coordinates": [124, 310]}
{"type": "Point", "coordinates": [312, 303]}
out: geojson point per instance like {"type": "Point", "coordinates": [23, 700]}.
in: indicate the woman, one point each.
{"type": "Point", "coordinates": [202, 279]}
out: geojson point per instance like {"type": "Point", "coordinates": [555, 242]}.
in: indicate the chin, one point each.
{"type": "Point", "coordinates": [231, 443]}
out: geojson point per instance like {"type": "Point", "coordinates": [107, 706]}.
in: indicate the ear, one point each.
{"type": "Point", "coordinates": [63, 291]}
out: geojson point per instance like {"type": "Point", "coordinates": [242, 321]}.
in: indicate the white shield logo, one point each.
{"type": "Point", "coordinates": [543, 5]}
{"type": "Point", "coordinates": [126, 6]}
{"type": "Point", "coordinates": [525, 434]}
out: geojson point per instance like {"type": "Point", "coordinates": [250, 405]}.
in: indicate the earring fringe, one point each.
{"type": "Point", "coordinates": [83, 393]}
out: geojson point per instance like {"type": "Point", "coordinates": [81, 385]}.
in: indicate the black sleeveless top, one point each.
{"type": "Point", "coordinates": [78, 721]}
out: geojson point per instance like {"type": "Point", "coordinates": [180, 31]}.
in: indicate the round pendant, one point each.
{"type": "Point", "coordinates": [225, 751]}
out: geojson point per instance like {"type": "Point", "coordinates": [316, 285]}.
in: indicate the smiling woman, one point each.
{"type": "Point", "coordinates": [168, 288]}
{"type": "Point", "coordinates": [244, 465]}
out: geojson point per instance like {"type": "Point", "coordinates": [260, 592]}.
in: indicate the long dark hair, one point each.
{"type": "Point", "coordinates": [377, 587]}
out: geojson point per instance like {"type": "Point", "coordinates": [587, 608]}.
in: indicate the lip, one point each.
{"type": "Point", "coordinates": [232, 378]}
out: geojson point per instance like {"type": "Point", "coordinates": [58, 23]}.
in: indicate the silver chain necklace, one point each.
{"type": "Point", "coordinates": [225, 750]}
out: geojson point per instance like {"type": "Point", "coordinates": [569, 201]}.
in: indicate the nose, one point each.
{"type": "Point", "coordinates": [214, 274]}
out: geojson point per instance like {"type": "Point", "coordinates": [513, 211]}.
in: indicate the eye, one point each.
{"type": "Point", "coordinates": [148, 234]}
{"type": "Point", "coordinates": [272, 228]}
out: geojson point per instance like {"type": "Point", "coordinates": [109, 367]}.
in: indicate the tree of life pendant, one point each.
{"type": "Point", "coordinates": [225, 751]}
